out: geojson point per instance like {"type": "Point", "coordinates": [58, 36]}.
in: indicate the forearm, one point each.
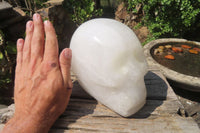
{"type": "Point", "coordinates": [26, 125]}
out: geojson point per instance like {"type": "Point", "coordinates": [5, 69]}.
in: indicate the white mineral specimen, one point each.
{"type": "Point", "coordinates": [108, 60]}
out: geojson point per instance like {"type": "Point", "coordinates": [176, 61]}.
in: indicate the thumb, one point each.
{"type": "Point", "coordinates": [65, 65]}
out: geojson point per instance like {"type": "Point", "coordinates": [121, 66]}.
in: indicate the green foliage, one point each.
{"type": "Point", "coordinates": [138, 26]}
{"type": "Point", "coordinates": [168, 18]}
{"type": "Point", "coordinates": [81, 10]}
{"type": "Point", "coordinates": [11, 48]}
{"type": "Point", "coordinates": [1, 56]}
{"type": "Point", "coordinates": [7, 61]}
{"type": "Point", "coordinates": [40, 3]}
{"type": "Point", "coordinates": [5, 79]}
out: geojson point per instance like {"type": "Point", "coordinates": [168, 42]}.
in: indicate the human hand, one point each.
{"type": "Point", "coordinates": [42, 80]}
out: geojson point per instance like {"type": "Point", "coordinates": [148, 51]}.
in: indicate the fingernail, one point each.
{"type": "Point", "coordinates": [29, 25]}
{"type": "Point", "coordinates": [68, 53]}
{"type": "Point", "coordinates": [36, 17]}
{"type": "Point", "coordinates": [46, 22]}
{"type": "Point", "coordinates": [19, 42]}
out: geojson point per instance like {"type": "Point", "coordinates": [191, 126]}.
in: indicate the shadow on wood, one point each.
{"type": "Point", "coordinates": [156, 93]}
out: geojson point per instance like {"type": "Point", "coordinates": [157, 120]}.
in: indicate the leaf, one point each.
{"type": "Point", "coordinates": [11, 48]}
{"type": "Point", "coordinates": [92, 8]}
{"type": "Point", "coordinates": [1, 56]}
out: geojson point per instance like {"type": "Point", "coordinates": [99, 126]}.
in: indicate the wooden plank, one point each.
{"type": "Point", "coordinates": [80, 107]}
{"type": "Point", "coordinates": [193, 109]}
{"type": "Point", "coordinates": [159, 114]}
{"type": "Point", "coordinates": [173, 124]}
{"type": "Point", "coordinates": [158, 87]}
{"type": "Point", "coordinates": [4, 6]}
{"type": "Point", "coordinates": [155, 116]}
{"type": "Point", "coordinates": [98, 118]}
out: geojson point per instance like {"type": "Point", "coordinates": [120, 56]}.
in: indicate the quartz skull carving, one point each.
{"type": "Point", "coordinates": [109, 63]}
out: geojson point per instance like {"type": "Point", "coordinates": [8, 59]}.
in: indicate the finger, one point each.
{"type": "Point", "coordinates": [20, 44]}
{"type": "Point", "coordinates": [37, 43]}
{"type": "Point", "coordinates": [27, 44]}
{"type": "Point", "coordinates": [69, 91]}
{"type": "Point", "coordinates": [51, 43]}
{"type": "Point", "coordinates": [65, 65]}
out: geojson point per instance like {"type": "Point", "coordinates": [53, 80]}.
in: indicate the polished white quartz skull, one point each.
{"type": "Point", "coordinates": [108, 60]}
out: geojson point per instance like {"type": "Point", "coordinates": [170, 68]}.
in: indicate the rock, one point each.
{"type": "Point", "coordinates": [3, 106]}
{"type": "Point", "coordinates": [109, 63]}
{"type": "Point", "coordinates": [7, 113]}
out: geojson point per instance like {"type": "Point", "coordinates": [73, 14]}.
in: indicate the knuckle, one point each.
{"type": "Point", "coordinates": [51, 40]}
{"type": "Point", "coordinates": [48, 66]}
{"type": "Point", "coordinates": [48, 97]}
{"type": "Point", "coordinates": [39, 39]}
{"type": "Point", "coordinates": [66, 63]}
{"type": "Point", "coordinates": [26, 48]}
{"type": "Point", "coordinates": [25, 59]}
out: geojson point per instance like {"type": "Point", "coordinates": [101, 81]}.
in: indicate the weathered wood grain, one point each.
{"type": "Point", "coordinates": [159, 115]}
{"type": "Point", "coordinates": [160, 124]}
{"type": "Point", "coordinates": [4, 6]}
{"type": "Point", "coordinates": [90, 116]}
{"type": "Point", "coordinates": [82, 107]}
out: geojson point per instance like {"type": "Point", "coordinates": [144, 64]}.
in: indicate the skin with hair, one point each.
{"type": "Point", "coordinates": [42, 80]}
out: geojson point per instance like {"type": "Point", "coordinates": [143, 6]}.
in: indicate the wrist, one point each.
{"type": "Point", "coordinates": [30, 124]}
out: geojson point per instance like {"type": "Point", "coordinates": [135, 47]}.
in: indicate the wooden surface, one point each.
{"type": "Point", "coordinates": [159, 115]}
{"type": "Point", "coordinates": [4, 6]}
